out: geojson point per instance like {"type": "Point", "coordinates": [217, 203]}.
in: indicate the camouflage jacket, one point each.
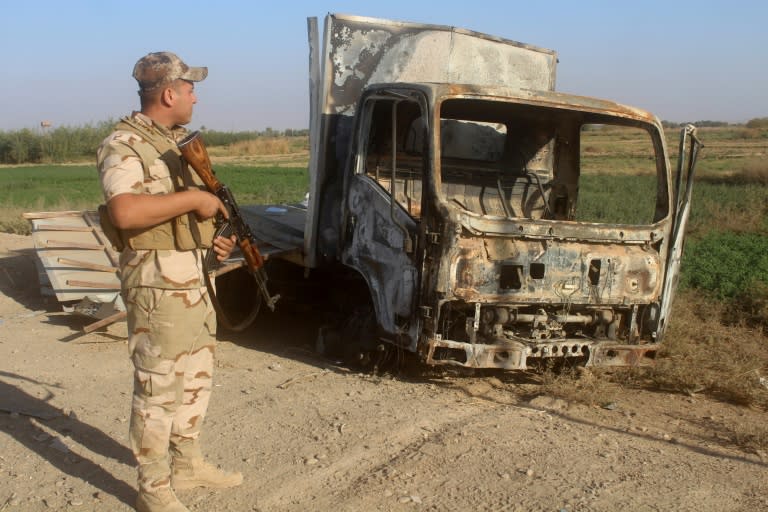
{"type": "Point", "coordinates": [121, 171]}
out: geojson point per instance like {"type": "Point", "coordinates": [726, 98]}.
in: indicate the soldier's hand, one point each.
{"type": "Point", "coordinates": [208, 205]}
{"type": "Point", "coordinates": [223, 246]}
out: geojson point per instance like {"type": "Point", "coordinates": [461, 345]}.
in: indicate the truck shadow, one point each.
{"type": "Point", "coordinates": [285, 332]}
{"type": "Point", "coordinates": [43, 429]}
{"type": "Point", "coordinates": [311, 319]}
{"type": "Point", "coordinates": [293, 333]}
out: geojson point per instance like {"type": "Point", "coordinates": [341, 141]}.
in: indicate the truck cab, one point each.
{"type": "Point", "coordinates": [463, 213]}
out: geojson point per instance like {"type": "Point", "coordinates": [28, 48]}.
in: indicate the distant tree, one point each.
{"type": "Point", "coordinates": [700, 124]}
{"type": "Point", "coordinates": [710, 124]}
{"type": "Point", "coordinates": [758, 122]}
{"type": "Point", "coordinates": [78, 143]}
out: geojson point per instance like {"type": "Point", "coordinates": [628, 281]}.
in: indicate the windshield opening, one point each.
{"type": "Point", "coordinates": [501, 159]}
{"type": "Point", "coordinates": [393, 150]}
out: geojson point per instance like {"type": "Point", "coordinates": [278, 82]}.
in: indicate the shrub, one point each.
{"type": "Point", "coordinates": [750, 307]}
{"type": "Point", "coordinates": [726, 264]}
{"type": "Point", "coordinates": [754, 171]}
{"type": "Point", "coordinates": [758, 122]}
{"type": "Point", "coordinates": [746, 133]}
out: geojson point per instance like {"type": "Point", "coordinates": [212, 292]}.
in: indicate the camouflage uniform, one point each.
{"type": "Point", "coordinates": [171, 321]}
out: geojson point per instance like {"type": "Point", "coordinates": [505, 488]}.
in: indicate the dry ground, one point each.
{"type": "Point", "coordinates": [309, 435]}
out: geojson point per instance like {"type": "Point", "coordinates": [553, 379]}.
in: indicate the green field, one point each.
{"type": "Point", "coordinates": [76, 187]}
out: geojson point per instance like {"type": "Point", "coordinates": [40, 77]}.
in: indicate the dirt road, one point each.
{"type": "Point", "coordinates": [310, 435]}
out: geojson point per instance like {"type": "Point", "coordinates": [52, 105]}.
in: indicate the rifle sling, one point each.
{"type": "Point", "coordinates": [225, 230]}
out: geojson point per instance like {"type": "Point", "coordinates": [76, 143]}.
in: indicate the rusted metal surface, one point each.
{"type": "Point", "coordinates": [365, 51]}
{"type": "Point", "coordinates": [520, 357]}
{"type": "Point", "coordinates": [544, 98]}
{"type": "Point", "coordinates": [536, 272]}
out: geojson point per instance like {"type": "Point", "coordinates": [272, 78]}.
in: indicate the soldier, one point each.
{"type": "Point", "coordinates": [161, 219]}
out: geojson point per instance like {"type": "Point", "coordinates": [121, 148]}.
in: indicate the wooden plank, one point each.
{"type": "Point", "coordinates": [93, 284]}
{"type": "Point", "coordinates": [62, 227]}
{"type": "Point", "coordinates": [228, 268]}
{"type": "Point", "coordinates": [51, 215]}
{"type": "Point", "coordinates": [91, 218]}
{"type": "Point", "coordinates": [86, 264]}
{"type": "Point", "coordinates": [105, 321]}
{"type": "Point", "coordinates": [72, 245]}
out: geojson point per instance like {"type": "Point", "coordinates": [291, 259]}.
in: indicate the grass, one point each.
{"type": "Point", "coordinates": [49, 186]}
{"type": "Point", "coordinates": [269, 185]}
{"type": "Point", "coordinates": [616, 199]}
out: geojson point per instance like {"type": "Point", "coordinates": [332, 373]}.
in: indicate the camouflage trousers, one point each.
{"type": "Point", "coordinates": [172, 339]}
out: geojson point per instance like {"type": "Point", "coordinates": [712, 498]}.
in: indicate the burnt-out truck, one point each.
{"type": "Point", "coordinates": [468, 213]}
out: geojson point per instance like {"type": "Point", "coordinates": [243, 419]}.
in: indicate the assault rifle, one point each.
{"type": "Point", "coordinates": [194, 152]}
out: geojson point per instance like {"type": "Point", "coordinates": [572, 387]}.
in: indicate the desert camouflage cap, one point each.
{"type": "Point", "coordinates": [160, 68]}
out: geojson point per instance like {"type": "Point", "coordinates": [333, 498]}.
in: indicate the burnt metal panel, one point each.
{"type": "Point", "coordinates": [377, 250]}
{"type": "Point", "coordinates": [315, 91]}
{"type": "Point", "coordinates": [508, 356]}
{"type": "Point", "coordinates": [553, 271]}
{"type": "Point", "coordinates": [364, 51]}
{"type": "Point", "coordinates": [688, 153]}
{"type": "Point", "coordinates": [358, 52]}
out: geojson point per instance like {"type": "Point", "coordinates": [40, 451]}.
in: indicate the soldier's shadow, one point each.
{"type": "Point", "coordinates": [27, 415]}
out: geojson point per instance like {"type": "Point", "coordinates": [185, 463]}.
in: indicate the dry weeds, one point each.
{"type": "Point", "coordinates": [582, 385]}
{"type": "Point", "coordinates": [708, 351]}
{"type": "Point", "coordinates": [263, 147]}
{"type": "Point", "coordinates": [749, 171]}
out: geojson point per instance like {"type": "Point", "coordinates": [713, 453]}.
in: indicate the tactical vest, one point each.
{"type": "Point", "coordinates": [181, 233]}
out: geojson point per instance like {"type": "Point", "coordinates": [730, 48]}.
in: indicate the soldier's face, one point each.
{"type": "Point", "coordinates": [184, 100]}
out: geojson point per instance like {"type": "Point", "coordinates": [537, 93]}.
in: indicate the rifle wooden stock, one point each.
{"type": "Point", "coordinates": [194, 152]}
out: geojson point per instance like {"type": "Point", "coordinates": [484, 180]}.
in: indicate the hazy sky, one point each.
{"type": "Point", "coordinates": [70, 61]}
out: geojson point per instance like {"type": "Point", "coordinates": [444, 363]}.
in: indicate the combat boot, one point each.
{"type": "Point", "coordinates": [161, 499]}
{"type": "Point", "coordinates": [189, 472]}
